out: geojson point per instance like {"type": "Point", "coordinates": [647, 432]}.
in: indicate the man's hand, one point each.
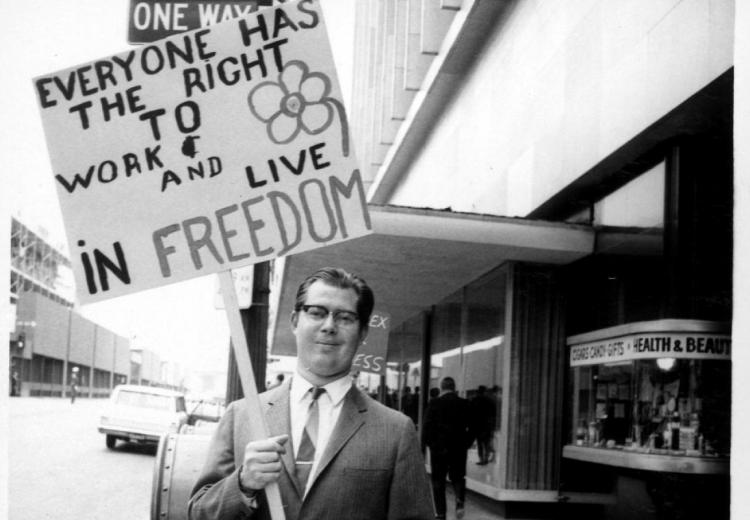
{"type": "Point", "coordinates": [262, 462]}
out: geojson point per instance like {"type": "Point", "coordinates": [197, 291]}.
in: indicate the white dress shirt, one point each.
{"type": "Point", "coordinates": [329, 408]}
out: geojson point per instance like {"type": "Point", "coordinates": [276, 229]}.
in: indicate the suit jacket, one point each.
{"type": "Point", "coordinates": [372, 468]}
{"type": "Point", "coordinates": [448, 425]}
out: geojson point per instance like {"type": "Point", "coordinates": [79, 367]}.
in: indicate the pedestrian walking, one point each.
{"type": "Point", "coordinates": [73, 385]}
{"type": "Point", "coordinates": [15, 384]}
{"type": "Point", "coordinates": [448, 434]}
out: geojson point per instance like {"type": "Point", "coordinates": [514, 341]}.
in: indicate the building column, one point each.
{"type": "Point", "coordinates": [424, 382]}
{"type": "Point", "coordinates": [114, 363]}
{"type": "Point", "coordinates": [255, 323]}
{"type": "Point", "coordinates": [93, 363]}
{"type": "Point", "coordinates": [535, 393]}
{"type": "Point", "coordinates": [66, 361]}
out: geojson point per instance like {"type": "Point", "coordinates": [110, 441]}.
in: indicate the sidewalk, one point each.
{"type": "Point", "coordinates": [477, 507]}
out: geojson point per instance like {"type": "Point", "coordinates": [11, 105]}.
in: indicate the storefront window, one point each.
{"type": "Point", "coordinates": [397, 385]}
{"type": "Point", "coordinates": [626, 398]}
{"type": "Point", "coordinates": [483, 356]}
{"type": "Point", "coordinates": [445, 360]}
{"type": "Point", "coordinates": [404, 372]}
{"type": "Point", "coordinates": [467, 344]}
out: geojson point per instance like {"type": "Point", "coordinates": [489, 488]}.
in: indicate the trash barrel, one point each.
{"type": "Point", "coordinates": [179, 460]}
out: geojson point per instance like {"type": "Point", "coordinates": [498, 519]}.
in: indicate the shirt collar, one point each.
{"type": "Point", "coordinates": [336, 390]}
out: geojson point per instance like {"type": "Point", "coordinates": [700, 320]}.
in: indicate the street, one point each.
{"type": "Point", "coordinates": [61, 469]}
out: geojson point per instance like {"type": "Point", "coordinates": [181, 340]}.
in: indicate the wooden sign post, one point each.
{"type": "Point", "coordinates": [258, 428]}
{"type": "Point", "coordinates": [209, 150]}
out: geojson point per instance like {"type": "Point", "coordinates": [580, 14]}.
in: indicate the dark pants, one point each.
{"type": "Point", "coordinates": [484, 446]}
{"type": "Point", "coordinates": [450, 463]}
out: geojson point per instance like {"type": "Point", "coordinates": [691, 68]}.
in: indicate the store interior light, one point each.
{"type": "Point", "coordinates": [666, 363]}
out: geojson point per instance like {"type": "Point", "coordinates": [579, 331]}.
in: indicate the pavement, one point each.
{"type": "Point", "coordinates": [74, 426]}
{"type": "Point", "coordinates": [477, 507]}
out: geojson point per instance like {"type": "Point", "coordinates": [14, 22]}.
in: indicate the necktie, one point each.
{"type": "Point", "coordinates": [306, 453]}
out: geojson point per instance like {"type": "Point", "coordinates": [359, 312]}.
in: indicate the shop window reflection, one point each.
{"type": "Point", "coordinates": [403, 369]}
{"type": "Point", "coordinates": [467, 344]}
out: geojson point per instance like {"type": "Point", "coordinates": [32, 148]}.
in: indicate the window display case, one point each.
{"type": "Point", "coordinates": [652, 396]}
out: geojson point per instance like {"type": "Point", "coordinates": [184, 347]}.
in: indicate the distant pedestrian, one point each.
{"type": "Point", "coordinates": [74, 385]}
{"type": "Point", "coordinates": [448, 434]}
{"type": "Point", "coordinates": [15, 384]}
{"type": "Point", "coordinates": [409, 404]}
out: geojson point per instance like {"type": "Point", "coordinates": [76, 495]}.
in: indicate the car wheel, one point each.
{"type": "Point", "coordinates": [111, 440]}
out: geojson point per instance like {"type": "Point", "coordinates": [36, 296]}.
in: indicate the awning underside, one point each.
{"type": "Point", "coordinates": [415, 257]}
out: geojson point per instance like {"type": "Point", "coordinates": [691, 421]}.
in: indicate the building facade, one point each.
{"type": "Point", "coordinates": [550, 187]}
{"type": "Point", "coordinates": [50, 341]}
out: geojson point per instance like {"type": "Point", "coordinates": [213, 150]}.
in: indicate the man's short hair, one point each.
{"type": "Point", "coordinates": [342, 279]}
{"type": "Point", "coordinates": [448, 384]}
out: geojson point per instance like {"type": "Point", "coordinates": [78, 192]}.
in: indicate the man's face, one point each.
{"type": "Point", "coordinates": [326, 349]}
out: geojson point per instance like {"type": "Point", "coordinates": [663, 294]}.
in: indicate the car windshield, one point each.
{"type": "Point", "coordinates": [204, 408]}
{"type": "Point", "coordinates": [144, 400]}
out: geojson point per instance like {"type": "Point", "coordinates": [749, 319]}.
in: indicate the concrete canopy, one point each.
{"type": "Point", "coordinates": [416, 257]}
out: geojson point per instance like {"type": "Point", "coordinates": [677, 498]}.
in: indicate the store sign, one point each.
{"type": "Point", "coordinates": [652, 346]}
{"type": "Point", "coordinates": [372, 354]}
{"type": "Point", "coordinates": [151, 20]}
{"type": "Point", "coordinates": [202, 152]}
{"type": "Point", "coordinates": [243, 278]}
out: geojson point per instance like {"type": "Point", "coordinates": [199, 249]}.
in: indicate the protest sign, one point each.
{"type": "Point", "coordinates": [202, 152]}
{"type": "Point", "coordinates": [372, 355]}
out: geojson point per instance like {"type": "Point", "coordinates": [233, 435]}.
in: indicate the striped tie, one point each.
{"type": "Point", "coordinates": [306, 452]}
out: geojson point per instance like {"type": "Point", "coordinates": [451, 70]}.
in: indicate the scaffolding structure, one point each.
{"type": "Point", "coordinates": [37, 266]}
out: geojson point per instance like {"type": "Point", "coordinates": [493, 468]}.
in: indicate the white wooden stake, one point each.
{"type": "Point", "coordinates": [258, 426]}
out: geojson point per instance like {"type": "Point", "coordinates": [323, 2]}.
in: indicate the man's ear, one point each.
{"type": "Point", "coordinates": [293, 317]}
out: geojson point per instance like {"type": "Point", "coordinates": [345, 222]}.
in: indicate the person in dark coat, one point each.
{"type": "Point", "coordinates": [483, 414]}
{"type": "Point", "coordinates": [410, 404]}
{"type": "Point", "coordinates": [448, 435]}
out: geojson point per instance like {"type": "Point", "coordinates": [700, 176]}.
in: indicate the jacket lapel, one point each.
{"type": "Point", "coordinates": [279, 423]}
{"type": "Point", "coordinates": [350, 420]}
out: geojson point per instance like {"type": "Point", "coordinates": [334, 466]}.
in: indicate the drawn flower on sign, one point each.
{"type": "Point", "coordinates": [298, 101]}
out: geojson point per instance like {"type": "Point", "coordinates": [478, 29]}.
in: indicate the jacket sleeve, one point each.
{"type": "Point", "coordinates": [410, 497]}
{"type": "Point", "coordinates": [216, 494]}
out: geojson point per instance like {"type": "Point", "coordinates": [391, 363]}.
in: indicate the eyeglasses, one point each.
{"type": "Point", "coordinates": [319, 313]}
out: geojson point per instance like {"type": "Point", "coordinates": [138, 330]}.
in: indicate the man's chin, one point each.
{"type": "Point", "coordinates": [327, 371]}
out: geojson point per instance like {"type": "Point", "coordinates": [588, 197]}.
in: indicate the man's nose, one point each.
{"type": "Point", "coordinates": [329, 323]}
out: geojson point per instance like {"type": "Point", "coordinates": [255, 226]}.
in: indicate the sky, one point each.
{"type": "Point", "coordinates": [179, 322]}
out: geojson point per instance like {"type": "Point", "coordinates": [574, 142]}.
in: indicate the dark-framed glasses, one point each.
{"type": "Point", "coordinates": [319, 313]}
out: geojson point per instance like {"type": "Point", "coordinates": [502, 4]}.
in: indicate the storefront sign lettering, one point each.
{"type": "Point", "coordinates": [206, 151]}
{"type": "Point", "coordinates": [651, 346]}
{"type": "Point", "coordinates": [372, 354]}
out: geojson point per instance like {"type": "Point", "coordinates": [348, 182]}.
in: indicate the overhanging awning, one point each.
{"type": "Point", "coordinates": [416, 257]}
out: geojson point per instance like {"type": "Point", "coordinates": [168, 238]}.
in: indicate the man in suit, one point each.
{"type": "Point", "coordinates": [335, 452]}
{"type": "Point", "coordinates": [448, 434]}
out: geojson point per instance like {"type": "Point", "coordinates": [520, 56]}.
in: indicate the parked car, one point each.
{"type": "Point", "coordinates": [142, 414]}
